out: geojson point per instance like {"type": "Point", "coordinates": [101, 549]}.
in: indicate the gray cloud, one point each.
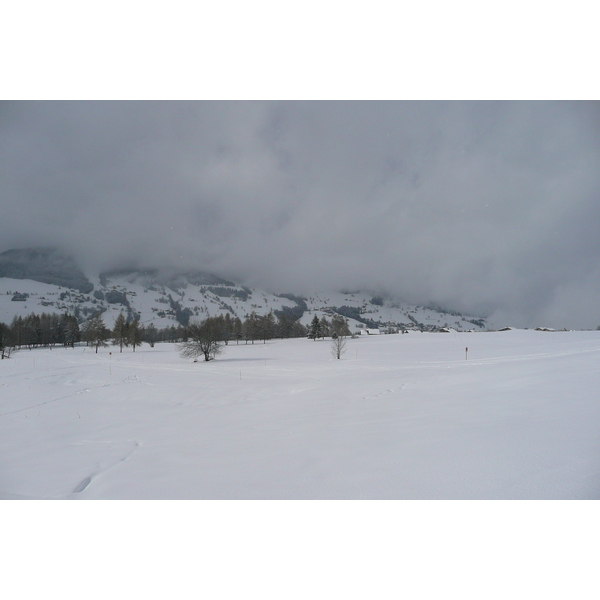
{"type": "Point", "coordinates": [490, 207]}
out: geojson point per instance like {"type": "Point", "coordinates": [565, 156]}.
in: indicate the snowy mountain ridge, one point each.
{"type": "Point", "coordinates": [169, 298]}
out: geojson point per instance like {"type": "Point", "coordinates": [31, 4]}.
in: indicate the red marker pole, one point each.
{"type": "Point", "coordinates": [466, 353]}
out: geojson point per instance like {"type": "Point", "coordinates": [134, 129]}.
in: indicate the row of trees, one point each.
{"type": "Point", "coordinates": [40, 330]}
{"type": "Point", "coordinates": [253, 328]}
{"type": "Point", "coordinates": [96, 334]}
{"type": "Point", "coordinates": [322, 328]}
{"type": "Point", "coordinates": [49, 330]}
{"type": "Point", "coordinates": [206, 339]}
{"type": "Point", "coordinates": [52, 329]}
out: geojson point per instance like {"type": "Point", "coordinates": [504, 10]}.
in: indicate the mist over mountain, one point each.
{"type": "Point", "coordinates": [46, 280]}
{"type": "Point", "coordinates": [58, 267]}
{"type": "Point", "coordinates": [46, 265]}
{"type": "Point", "coordinates": [487, 208]}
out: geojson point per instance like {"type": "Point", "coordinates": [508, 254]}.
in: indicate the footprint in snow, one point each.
{"type": "Point", "coordinates": [82, 485]}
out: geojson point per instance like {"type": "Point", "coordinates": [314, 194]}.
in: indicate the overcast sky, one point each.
{"type": "Point", "coordinates": [487, 207]}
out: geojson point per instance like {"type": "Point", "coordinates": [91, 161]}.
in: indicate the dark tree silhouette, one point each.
{"type": "Point", "coordinates": [204, 339]}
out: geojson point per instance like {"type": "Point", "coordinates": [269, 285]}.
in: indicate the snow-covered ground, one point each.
{"type": "Point", "coordinates": [399, 416]}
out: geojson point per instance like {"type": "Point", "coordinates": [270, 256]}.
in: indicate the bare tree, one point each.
{"type": "Point", "coordinates": [339, 326]}
{"type": "Point", "coordinates": [338, 346]}
{"type": "Point", "coordinates": [204, 339]}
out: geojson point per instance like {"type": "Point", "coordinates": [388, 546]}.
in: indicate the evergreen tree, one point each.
{"type": "Point", "coordinates": [30, 331]}
{"type": "Point", "coordinates": [16, 328]}
{"type": "Point", "coordinates": [284, 324]}
{"type": "Point", "coordinates": [298, 330]}
{"type": "Point", "coordinates": [250, 327]}
{"type": "Point", "coordinates": [266, 327]}
{"type": "Point", "coordinates": [135, 334]}
{"type": "Point", "coordinates": [237, 329]}
{"type": "Point", "coordinates": [6, 341]}
{"type": "Point", "coordinates": [325, 325]}
{"type": "Point", "coordinates": [151, 334]}
{"type": "Point", "coordinates": [71, 333]}
{"type": "Point", "coordinates": [315, 329]}
{"type": "Point", "coordinates": [227, 328]}
{"type": "Point", "coordinates": [221, 328]}
{"type": "Point", "coordinates": [120, 332]}
{"type": "Point", "coordinates": [94, 332]}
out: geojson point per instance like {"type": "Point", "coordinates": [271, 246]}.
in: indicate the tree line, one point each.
{"type": "Point", "coordinates": [39, 330]}
{"type": "Point", "coordinates": [322, 328]}
{"type": "Point", "coordinates": [48, 330]}
{"type": "Point", "coordinates": [207, 338]}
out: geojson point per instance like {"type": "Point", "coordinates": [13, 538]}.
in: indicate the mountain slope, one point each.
{"type": "Point", "coordinates": [51, 282]}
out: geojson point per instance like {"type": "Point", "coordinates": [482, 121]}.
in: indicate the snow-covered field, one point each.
{"type": "Point", "coordinates": [398, 417]}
